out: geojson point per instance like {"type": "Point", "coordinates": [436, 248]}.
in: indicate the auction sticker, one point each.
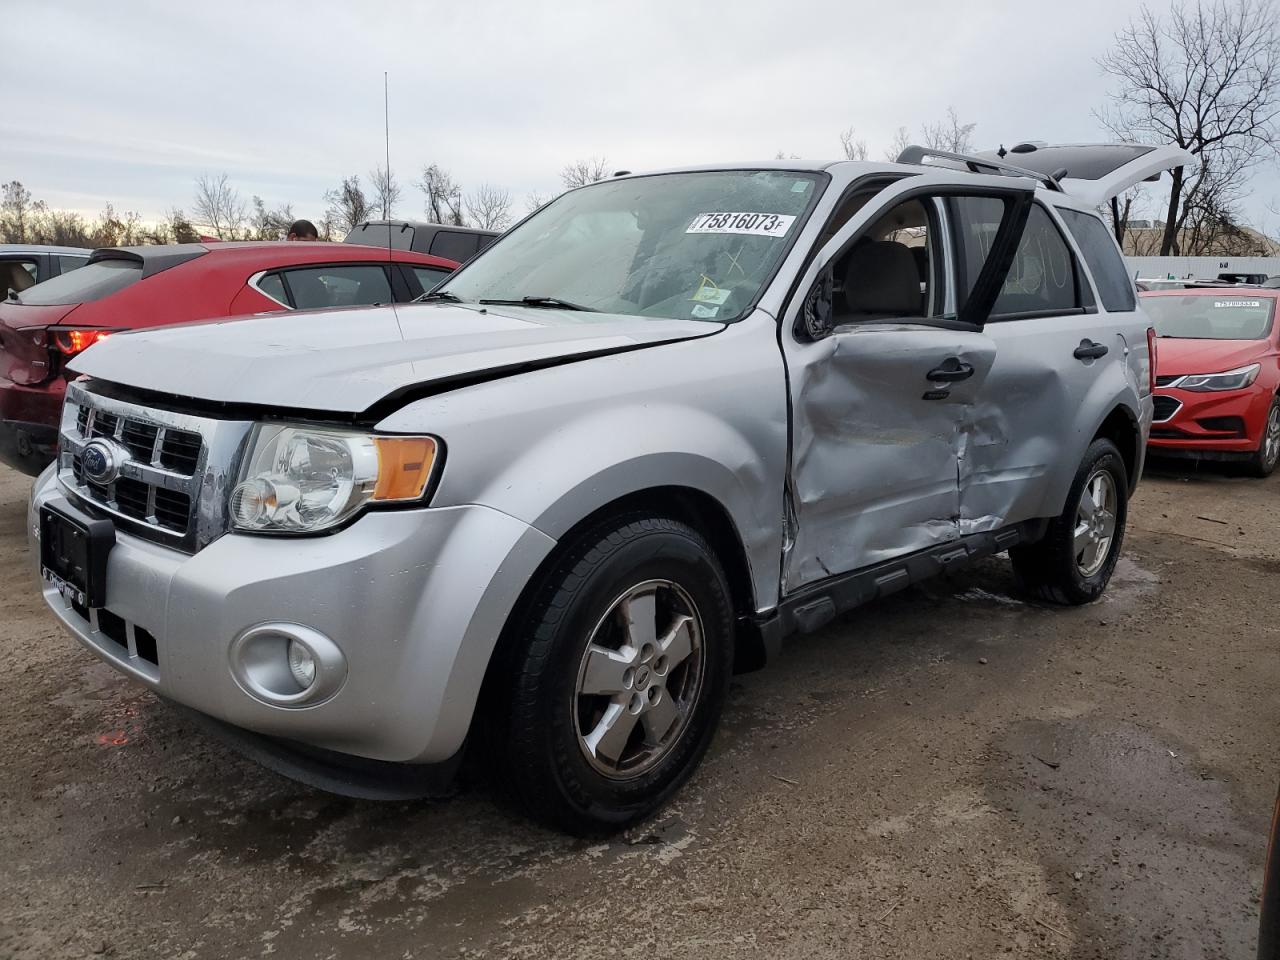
{"type": "Point", "coordinates": [750, 224]}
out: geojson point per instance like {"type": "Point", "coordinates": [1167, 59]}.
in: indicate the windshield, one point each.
{"type": "Point", "coordinates": [1200, 317]}
{"type": "Point", "coordinates": [685, 246]}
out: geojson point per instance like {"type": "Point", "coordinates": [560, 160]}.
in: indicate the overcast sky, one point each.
{"type": "Point", "coordinates": [129, 101]}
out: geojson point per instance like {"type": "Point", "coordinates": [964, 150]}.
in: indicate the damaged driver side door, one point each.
{"type": "Point", "coordinates": [886, 356]}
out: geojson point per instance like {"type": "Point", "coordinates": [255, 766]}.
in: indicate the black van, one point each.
{"type": "Point", "coordinates": [437, 239]}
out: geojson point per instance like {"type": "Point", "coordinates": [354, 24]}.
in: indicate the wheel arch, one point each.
{"type": "Point", "coordinates": [1120, 426]}
{"type": "Point", "coordinates": [689, 505]}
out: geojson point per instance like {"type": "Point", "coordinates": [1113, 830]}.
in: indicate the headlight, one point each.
{"type": "Point", "coordinates": [307, 479]}
{"type": "Point", "coordinates": [1206, 382]}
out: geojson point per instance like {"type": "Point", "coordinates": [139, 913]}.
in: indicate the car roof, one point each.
{"type": "Point", "coordinates": [43, 248]}
{"type": "Point", "coordinates": [276, 253]}
{"type": "Point", "coordinates": [425, 224]}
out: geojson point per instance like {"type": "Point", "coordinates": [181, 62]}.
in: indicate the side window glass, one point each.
{"type": "Point", "coordinates": [343, 285]}
{"type": "Point", "coordinates": [67, 264]}
{"type": "Point", "coordinates": [16, 275]}
{"type": "Point", "coordinates": [453, 245]}
{"type": "Point", "coordinates": [273, 287]}
{"type": "Point", "coordinates": [1043, 276]}
{"type": "Point", "coordinates": [429, 276]}
{"type": "Point", "coordinates": [1103, 257]}
{"type": "Point", "coordinates": [890, 270]}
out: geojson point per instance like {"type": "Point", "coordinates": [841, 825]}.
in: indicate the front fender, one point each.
{"type": "Point", "coordinates": [550, 447]}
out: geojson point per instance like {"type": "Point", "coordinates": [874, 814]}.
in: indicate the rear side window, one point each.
{"type": "Point", "coordinates": [1043, 275]}
{"type": "Point", "coordinates": [273, 287]}
{"type": "Point", "coordinates": [429, 276]}
{"type": "Point", "coordinates": [85, 285]}
{"type": "Point", "coordinates": [1099, 248]}
{"type": "Point", "coordinates": [453, 245]}
{"type": "Point", "coordinates": [67, 264]}
{"type": "Point", "coordinates": [342, 285]}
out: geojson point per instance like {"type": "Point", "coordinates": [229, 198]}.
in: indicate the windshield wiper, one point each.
{"type": "Point", "coordinates": [555, 302]}
{"type": "Point", "coordinates": [438, 295]}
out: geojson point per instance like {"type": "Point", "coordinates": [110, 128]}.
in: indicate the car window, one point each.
{"type": "Point", "coordinates": [85, 285]}
{"type": "Point", "coordinates": [453, 245]}
{"type": "Point", "coordinates": [273, 287]}
{"type": "Point", "coordinates": [342, 285]}
{"type": "Point", "coordinates": [17, 275]}
{"type": "Point", "coordinates": [890, 270]}
{"type": "Point", "coordinates": [1043, 276]}
{"type": "Point", "coordinates": [67, 264]}
{"type": "Point", "coordinates": [1210, 316]}
{"type": "Point", "coordinates": [429, 276]}
{"type": "Point", "coordinates": [1115, 289]}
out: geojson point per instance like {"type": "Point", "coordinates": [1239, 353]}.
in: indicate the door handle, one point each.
{"type": "Point", "coordinates": [950, 370]}
{"type": "Point", "coordinates": [1090, 350]}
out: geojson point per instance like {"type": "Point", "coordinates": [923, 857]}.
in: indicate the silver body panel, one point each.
{"type": "Point", "coordinates": [824, 456]}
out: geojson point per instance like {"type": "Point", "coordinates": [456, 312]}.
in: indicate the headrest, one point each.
{"type": "Point", "coordinates": [882, 279]}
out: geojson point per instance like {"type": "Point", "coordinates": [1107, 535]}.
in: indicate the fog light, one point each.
{"type": "Point", "coordinates": [302, 664]}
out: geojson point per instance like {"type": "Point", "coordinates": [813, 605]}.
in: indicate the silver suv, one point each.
{"type": "Point", "coordinates": [664, 422]}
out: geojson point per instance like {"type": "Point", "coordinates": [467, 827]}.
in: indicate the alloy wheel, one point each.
{"type": "Point", "coordinates": [639, 679]}
{"type": "Point", "coordinates": [1095, 527]}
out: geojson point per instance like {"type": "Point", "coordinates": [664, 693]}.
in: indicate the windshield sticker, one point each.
{"type": "Point", "coordinates": [703, 312]}
{"type": "Point", "coordinates": [750, 224]}
{"type": "Point", "coordinates": [800, 186]}
{"type": "Point", "coordinates": [1237, 303]}
{"type": "Point", "coordinates": [708, 292]}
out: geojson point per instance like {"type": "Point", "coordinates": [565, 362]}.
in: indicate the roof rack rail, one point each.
{"type": "Point", "coordinates": [916, 155]}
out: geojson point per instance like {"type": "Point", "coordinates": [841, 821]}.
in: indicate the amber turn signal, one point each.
{"type": "Point", "coordinates": [404, 467]}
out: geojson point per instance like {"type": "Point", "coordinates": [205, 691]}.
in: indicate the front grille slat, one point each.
{"type": "Point", "coordinates": [157, 485]}
{"type": "Point", "coordinates": [1165, 381]}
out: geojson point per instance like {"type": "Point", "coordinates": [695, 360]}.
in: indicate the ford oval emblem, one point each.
{"type": "Point", "coordinates": [98, 462]}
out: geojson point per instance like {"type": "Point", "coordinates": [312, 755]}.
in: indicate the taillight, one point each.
{"type": "Point", "coordinates": [70, 342]}
{"type": "Point", "coordinates": [1151, 359]}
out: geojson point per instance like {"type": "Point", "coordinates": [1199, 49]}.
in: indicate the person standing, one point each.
{"type": "Point", "coordinates": [302, 230]}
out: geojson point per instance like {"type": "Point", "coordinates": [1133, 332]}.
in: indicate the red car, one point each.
{"type": "Point", "coordinates": [43, 326]}
{"type": "Point", "coordinates": [1217, 375]}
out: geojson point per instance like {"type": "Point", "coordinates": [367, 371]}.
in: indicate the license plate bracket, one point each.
{"type": "Point", "coordinates": [73, 555]}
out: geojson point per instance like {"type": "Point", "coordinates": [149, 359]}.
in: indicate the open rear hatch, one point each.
{"type": "Point", "coordinates": [1096, 172]}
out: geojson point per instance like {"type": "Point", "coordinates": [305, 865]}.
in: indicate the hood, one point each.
{"type": "Point", "coordinates": [347, 360]}
{"type": "Point", "coordinates": [1176, 356]}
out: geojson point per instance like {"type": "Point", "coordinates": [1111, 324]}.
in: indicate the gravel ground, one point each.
{"type": "Point", "coordinates": [949, 773]}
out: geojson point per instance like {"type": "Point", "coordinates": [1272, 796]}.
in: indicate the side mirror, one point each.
{"type": "Point", "coordinates": [816, 314]}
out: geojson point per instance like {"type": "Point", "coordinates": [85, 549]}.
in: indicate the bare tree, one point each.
{"type": "Point", "coordinates": [16, 209]}
{"type": "Point", "coordinates": [1208, 79]}
{"type": "Point", "coordinates": [489, 207]}
{"type": "Point", "coordinates": [901, 140]}
{"type": "Point", "coordinates": [536, 200]}
{"type": "Point", "coordinates": [267, 224]}
{"type": "Point", "coordinates": [179, 227]}
{"type": "Point", "coordinates": [219, 206]}
{"type": "Point", "coordinates": [443, 202]}
{"type": "Point", "coordinates": [783, 155]}
{"type": "Point", "coordinates": [347, 204]}
{"type": "Point", "coordinates": [949, 134]}
{"type": "Point", "coordinates": [581, 172]}
{"type": "Point", "coordinates": [386, 191]}
{"type": "Point", "coordinates": [853, 149]}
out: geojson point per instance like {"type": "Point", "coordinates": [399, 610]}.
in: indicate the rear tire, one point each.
{"type": "Point", "coordinates": [617, 675]}
{"type": "Point", "coordinates": [1265, 458]}
{"type": "Point", "coordinates": [1074, 561]}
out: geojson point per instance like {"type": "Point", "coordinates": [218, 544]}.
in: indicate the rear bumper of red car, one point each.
{"type": "Point", "coordinates": [1225, 426]}
{"type": "Point", "coordinates": [29, 424]}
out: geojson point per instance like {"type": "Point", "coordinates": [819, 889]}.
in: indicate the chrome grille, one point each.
{"type": "Point", "coordinates": [170, 484]}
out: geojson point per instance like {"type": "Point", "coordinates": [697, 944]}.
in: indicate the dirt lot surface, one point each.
{"type": "Point", "coordinates": [950, 773]}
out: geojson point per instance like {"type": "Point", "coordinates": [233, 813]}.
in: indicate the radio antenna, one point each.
{"type": "Point", "coordinates": [386, 197]}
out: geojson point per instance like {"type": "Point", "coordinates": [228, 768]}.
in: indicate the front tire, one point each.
{"type": "Point", "coordinates": [618, 675]}
{"type": "Point", "coordinates": [1264, 460]}
{"type": "Point", "coordinates": [1074, 561]}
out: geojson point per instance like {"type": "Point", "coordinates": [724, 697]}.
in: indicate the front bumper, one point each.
{"type": "Point", "coordinates": [1223, 425]}
{"type": "Point", "coordinates": [29, 424]}
{"type": "Point", "coordinates": [414, 599]}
